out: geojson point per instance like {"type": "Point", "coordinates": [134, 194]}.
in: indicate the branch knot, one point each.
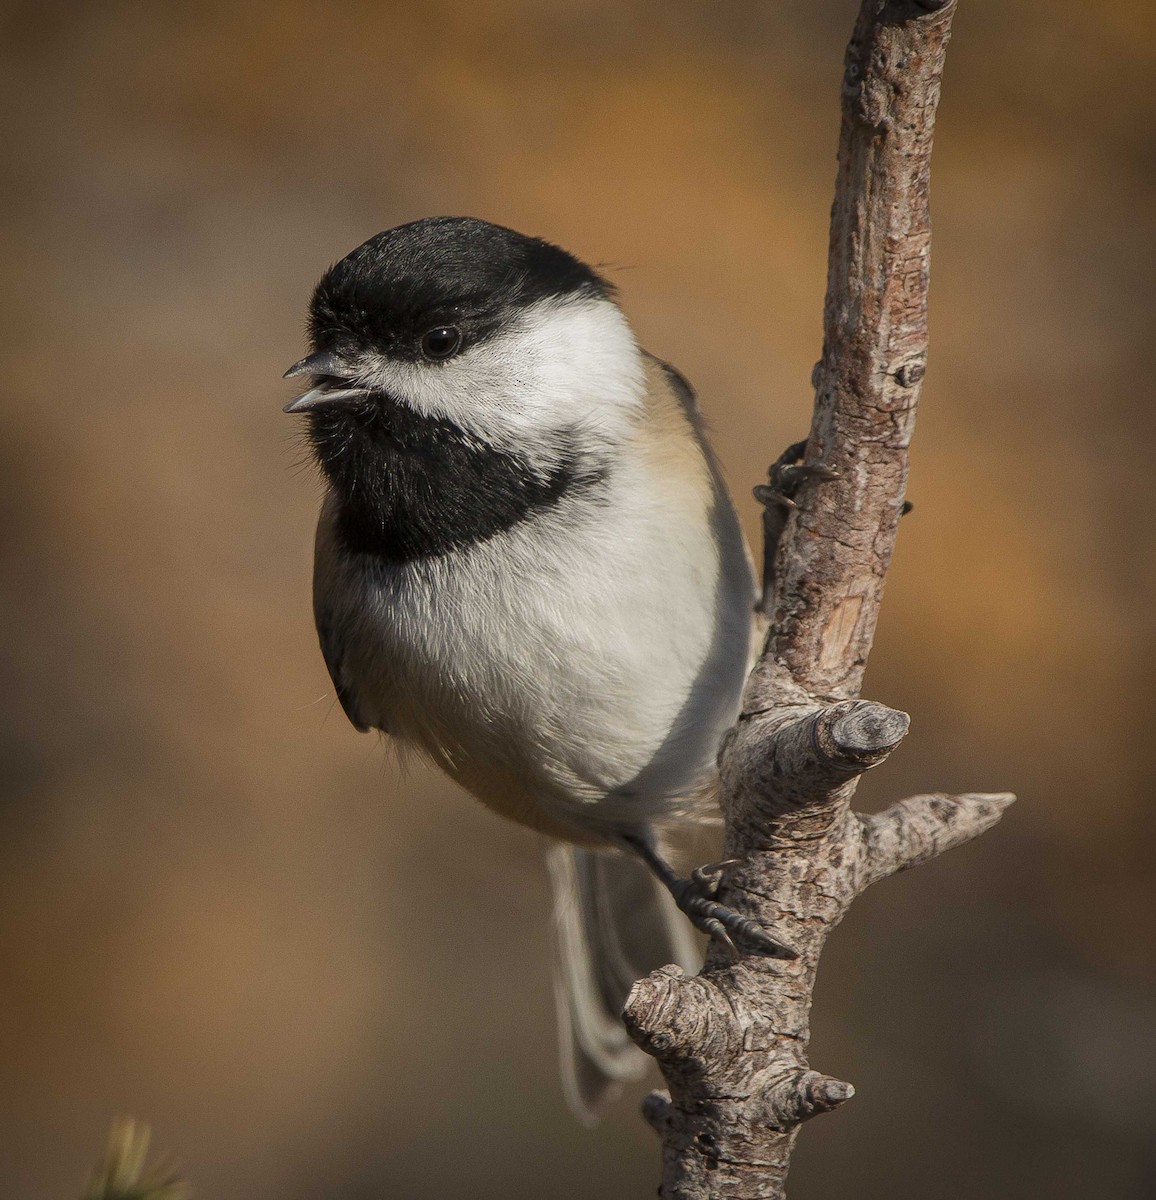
{"type": "Point", "coordinates": [675, 1019]}
{"type": "Point", "coordinates": [803, 1095]}
{"type": "Point", "coordinates": [804, 760]}
{"type": "Point", "coordinates": [859, 734]}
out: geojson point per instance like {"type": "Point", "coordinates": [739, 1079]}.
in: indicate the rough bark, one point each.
{"type": "Point", "coordinates": [732, 1042]}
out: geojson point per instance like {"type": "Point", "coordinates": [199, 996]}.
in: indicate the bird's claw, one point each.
{"type": "Point", "coordinates": [723, 924]}
{"type": "Point", "coordinates": [695, 898]}
{"type": "Point", "coordinates": [787, 475]}
{"type": "Point", "coordinates": [709, 876]}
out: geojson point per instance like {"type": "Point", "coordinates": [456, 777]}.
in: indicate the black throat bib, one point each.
{"type": "Point", "coordinates": [412, 487]}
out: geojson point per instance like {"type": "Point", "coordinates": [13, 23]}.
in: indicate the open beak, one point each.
{"type": "Point", "coordinates": [324, 394]}
{"type": "Point", "coordinates": [332, 391]}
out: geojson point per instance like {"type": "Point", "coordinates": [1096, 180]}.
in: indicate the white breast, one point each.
{"type": "Point", "coordinates": [577, 671]}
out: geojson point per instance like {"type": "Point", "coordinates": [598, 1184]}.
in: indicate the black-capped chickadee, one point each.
{"type": "Point", "coordinates": [528, 568]}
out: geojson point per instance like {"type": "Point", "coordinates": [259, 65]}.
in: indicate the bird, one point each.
{"type": "Point", "coordinates": [528, 568]}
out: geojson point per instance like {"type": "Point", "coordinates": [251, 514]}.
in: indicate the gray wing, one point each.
{"type": "Point", "coordinates": [327, 577]}
{"type": "Point", "coordinates": [331, 650]}
{"type": "Point", "coordinates": [681, 385]}
{"type": "Point", "coordinates": [726, 518]}
{"type": "Point", "coordinates": [739, 567]}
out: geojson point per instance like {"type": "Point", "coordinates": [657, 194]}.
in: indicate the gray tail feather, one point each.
{"type": "Point", "coordinates": [613, 923]}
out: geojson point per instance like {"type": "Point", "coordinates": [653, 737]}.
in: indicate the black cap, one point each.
{"type": "Point", "coordinates": [440, 271]}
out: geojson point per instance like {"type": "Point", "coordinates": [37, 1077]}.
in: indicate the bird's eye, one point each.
{"type": "Point", "coordinates": [442, 342]}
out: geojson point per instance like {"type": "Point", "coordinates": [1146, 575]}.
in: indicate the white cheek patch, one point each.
{"type": "Point", "coordinates": [560, 365]}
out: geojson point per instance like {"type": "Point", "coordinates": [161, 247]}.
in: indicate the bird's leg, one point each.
{"type": "Point", "coordinates": [695, 897]}
{"type": "Point", "coordinates": [777, 496]}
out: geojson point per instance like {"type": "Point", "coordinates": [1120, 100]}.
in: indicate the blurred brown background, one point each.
{"type": "Point", "coordinates": [213, 908]}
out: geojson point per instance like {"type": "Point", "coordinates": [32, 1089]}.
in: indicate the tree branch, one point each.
{"type": "Point", "coordinates": [921, 827]}
{"type": "Point", "coordinates": [732, 1041]}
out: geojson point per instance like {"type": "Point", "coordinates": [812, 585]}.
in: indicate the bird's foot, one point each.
{"type": "Point", "coordinates": [708, 877]}
{"type": "Point", "coordinates": [777, 496]}
{"type": "Point", "coordinates": [787, 475]}
{"type": "Point", "coordinates": [695, 897]}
